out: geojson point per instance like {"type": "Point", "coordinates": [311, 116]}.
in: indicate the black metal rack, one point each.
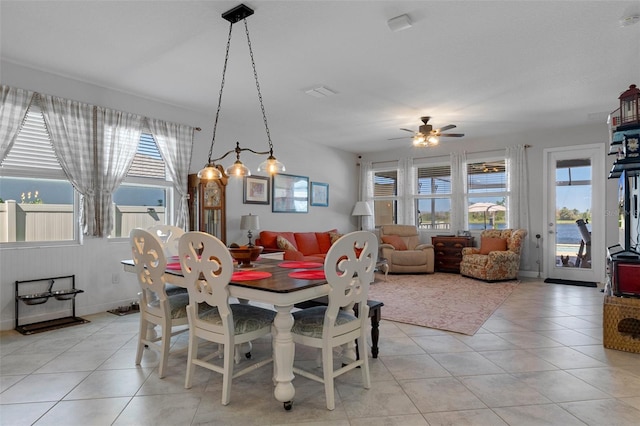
{"type": "Point", "coordinates": [43, 297]}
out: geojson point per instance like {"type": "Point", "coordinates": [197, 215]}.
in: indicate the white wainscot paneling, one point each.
{"type": "Point", "coordinates": [95, 264]}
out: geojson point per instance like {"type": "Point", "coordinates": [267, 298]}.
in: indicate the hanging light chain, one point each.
{"type": "Point", "coordinates": [255, 76]}
{"type": "Point", "coordinates": [224, 71]}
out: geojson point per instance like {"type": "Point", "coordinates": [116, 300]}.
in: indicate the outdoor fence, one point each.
{"type": "Point", "coordinates": [23, 222]}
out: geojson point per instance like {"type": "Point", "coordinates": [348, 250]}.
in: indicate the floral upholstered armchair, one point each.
{"type": "Point", "coordinates": [497, 258]}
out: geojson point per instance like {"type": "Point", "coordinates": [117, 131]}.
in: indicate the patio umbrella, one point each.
{"type": "Point", "coordinates": [486, 207]}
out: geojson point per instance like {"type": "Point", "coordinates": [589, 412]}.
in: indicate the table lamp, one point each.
{"type": "Point", "coordinates": [249, 223]}
{"type": "Point", "coordinates": [361, 209]}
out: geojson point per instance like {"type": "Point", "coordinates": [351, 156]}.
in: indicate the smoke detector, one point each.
{"type": "Point", "coordinates": [399, 23]}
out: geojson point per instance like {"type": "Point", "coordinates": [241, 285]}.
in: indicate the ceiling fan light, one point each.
{"type": "Point", "coordinates": [238, 169]}
{"type": "Point", "coordinates": [419, 139]}
{"type": "Point", "coordinates": [210, 172]}
{"type": "Point", "coordinates": [432, 140]}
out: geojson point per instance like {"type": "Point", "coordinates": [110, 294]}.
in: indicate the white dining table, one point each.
{"type": "Point", "coordinates": [281, 291]}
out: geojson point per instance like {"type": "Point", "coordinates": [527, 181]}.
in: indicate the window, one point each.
{"type": "Point", "coordinates": [433, 198]}
{"type": "Point", "coordinates": [487, 196]}
{"type": "Point", "coordinates": [435, 189]}
{"type": "Point", "coordinates": [385, 193]}
{"type": "Point", "coordinates": [37, 202]}
{"type": "Point", "coordinates": [141, 200]}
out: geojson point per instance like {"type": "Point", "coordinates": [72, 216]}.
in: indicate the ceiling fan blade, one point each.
{"type": "Point", "coordinates": [403, 137]}
{"type": "Point", "coordinates": [447, 127]}
{"type": "Point", "coordinates": [407, 130]}
{"type": "Point", "coordinates": [452, 135]}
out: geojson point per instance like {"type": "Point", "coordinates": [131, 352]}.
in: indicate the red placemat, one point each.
{"type": "Point", "coordinates": [308, 275]}
{"type": "Point", "coordinates": [298, 264]}
{"type": "Point", "coordinates": [249, 275]}
{"type": "Point", "coordinates": [175, 266]}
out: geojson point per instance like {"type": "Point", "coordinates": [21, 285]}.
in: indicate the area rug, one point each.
{"type": "Point", "coordinates": [443, 301]}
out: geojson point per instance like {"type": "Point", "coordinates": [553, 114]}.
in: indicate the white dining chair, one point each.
{"type": "Point", "coordinates": [169, 235]}
{"type": "Point", "coordinates": [349, 269]}
{"type": "Point", "coordinates": [207, 267]}
{"type": "Point", "coordinates": [157, 308]}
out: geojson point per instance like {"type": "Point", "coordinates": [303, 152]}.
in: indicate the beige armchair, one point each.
{"type": "Point", "coordinates": [404, 252]}
{"type": "Point", "coordinates": [497, 258]}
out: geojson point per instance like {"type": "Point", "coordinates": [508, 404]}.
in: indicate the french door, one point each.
{"type": "Point", "coordinates": [573, 239]}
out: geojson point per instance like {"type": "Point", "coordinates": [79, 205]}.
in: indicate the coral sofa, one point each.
{"type": "Point", "coordinates": [307, 246]}
{"type": "Point", "coordinates": [498, 257]}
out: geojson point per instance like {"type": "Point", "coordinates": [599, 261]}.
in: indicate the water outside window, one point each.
{"type": "Point", "coordinates": [573, 213]}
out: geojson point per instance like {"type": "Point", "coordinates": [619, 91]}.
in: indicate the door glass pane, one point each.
{"type": "Point", "coordinates": [573, 213]}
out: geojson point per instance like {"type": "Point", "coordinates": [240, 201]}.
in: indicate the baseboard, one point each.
{"type": "Point", "coordinates": [528, 274]}
{"type": "Point", "coordinates": [571, 282]}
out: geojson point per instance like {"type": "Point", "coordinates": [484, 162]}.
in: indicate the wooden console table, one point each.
{"type": "Point", "coordinates": [448, 252]}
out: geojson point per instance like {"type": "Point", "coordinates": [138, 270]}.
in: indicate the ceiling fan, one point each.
{"type": "Point", "coordinates": [428, 136]}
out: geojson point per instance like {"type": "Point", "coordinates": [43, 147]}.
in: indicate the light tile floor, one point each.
{"type": "Point", "coordinates": [538, 360]}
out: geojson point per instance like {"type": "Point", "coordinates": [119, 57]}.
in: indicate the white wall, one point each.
{"type": "Point", "coordinates": [96, 261]}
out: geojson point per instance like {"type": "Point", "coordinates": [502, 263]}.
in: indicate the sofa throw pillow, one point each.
{"type": "Point", "coordinates": [284, 244]}
{"type": "Point", "coordinates": [396, 241]}
{"type": "Point", "coordinates": [334, 236]}
{"type": "Point", "coordinates": [489, 244]}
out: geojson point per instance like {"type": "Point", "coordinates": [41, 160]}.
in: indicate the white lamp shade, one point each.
{"type": "Point", "coordinates": [249, 223]}
{"type": "Point", "coordinates": [361, 209]}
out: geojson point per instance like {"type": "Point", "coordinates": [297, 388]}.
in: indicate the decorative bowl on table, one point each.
{"type": "Point", "coordinates": [245, 255]}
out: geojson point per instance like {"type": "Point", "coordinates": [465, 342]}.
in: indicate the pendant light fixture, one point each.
{"type": "Point", "coordinates": [271, 165]}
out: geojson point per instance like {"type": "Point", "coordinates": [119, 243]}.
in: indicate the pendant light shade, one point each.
{"type": "Point", "coordinates": [209, 172]}
{"type": "Point", "coordinates": [271, 165]}
{"type": "Point", "coordinates": [238, 169]}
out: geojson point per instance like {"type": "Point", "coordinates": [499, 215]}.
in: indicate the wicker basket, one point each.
{"type": "Point", "coordinates": [621, 324]}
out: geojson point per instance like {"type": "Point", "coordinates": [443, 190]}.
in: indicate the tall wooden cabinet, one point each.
{"type": "Point", "coordinates": [207, 206]}
{"type": "Point", "coordinates": [448, 252]}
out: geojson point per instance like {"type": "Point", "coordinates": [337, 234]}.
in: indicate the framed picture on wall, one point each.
{"type": "Point", "coordinates": [290, 194]}
{"type": "Point", "coordinates": [255, 190]}
{"type": "Point", "coordinates": [319, 194]}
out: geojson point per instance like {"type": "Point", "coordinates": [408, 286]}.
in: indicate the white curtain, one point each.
{"type": "Point", "coordinates": [70, 126]}
{"type": "Point", "coordinates": [175, 142]}
{"type": "Point", "coordinates": [519, 194]}
{"type": "Point", "coordinates": [118, 136]}
{"type": "Point", "coordinates": [518, 187]}
{"type": "Point", "coordinates": [458, 205]}
{"type": "Point", "coordinates": [406, 189]}
{"type": "Point", "coordinates": [366, 193]}
{"type": "Point", "coordinates": [13, 109]}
